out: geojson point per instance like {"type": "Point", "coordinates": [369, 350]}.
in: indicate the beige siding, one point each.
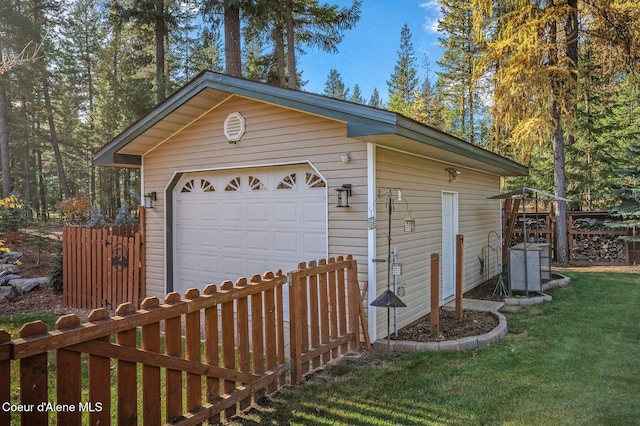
{"type": "Point", "coordinates": [274, 135]}
{"type": "Point", "coordinates": [422, 181]}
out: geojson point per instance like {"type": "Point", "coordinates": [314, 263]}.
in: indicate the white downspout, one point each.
{"type": "Point", "coordinates": [371, 242]}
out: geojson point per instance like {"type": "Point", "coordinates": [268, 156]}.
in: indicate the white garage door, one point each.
{"type": "Point", "coordinates": [237, 223]}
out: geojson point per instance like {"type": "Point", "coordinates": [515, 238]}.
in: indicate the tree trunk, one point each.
{"type": "Point", "coordinates": [559, 184]}
{"type": "Point", "coordinates": [42, 189]}
{"type": "Point", "coordinates": [4, 140]}
{"type": "Point", "coordinates": [25, 162]}
{"type": "Point", "coordinates": [160, 30]}
{"type": "Point", "coordinates": [278, 38]}
{"type": "Point", "coordinates": [571, 50]}
{"type": "Point", "coordinates": [54, 137]}
{"type": "Point", "coordinates": [232, 55]}
{"type": "Point", "coordinates": [291, 48]}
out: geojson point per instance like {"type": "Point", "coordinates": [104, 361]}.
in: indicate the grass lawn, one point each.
{"type": "Point", "coordinates": [572, 361]}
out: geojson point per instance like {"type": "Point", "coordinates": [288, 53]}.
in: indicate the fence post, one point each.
{"type": "Point", "coordinates": [459, 273]}
{"type": "Point", "coordinates": [435, 295]}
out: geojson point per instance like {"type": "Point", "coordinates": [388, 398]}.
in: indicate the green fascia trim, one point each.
{"type": "Point", "coordinates": [360, 119]}
{"type": "Point", "coordinates": [419, 132]}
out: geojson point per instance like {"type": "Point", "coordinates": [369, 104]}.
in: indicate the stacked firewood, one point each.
{"type": "Point", "coordinates": [596, 248]}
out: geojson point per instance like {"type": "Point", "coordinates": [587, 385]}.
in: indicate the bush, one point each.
{"type": "Point", "coordinates": [74, 210]}
{"type": "Point", "coordinates": [55, 269]}
{"type": "Point", "coordinates": [97, 218]}
{"type": "Point", "coordinates": [11, 214]}
{"type": "Point", "coordinates": [123, 217]}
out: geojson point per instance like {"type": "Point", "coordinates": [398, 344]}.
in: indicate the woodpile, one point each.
{"type": "Point", "coordinates": [594, 242]}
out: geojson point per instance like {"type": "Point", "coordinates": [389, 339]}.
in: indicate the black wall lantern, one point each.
{"type": "Point", "coordinates": [344, 192]}
{"type": "Point", "coordinates": [149, 199]}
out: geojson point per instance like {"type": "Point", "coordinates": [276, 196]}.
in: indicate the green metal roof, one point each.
{"type": "Point", "coordinates": [365, 123]}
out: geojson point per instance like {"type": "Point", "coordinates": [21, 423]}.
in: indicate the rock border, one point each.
{"type": "Point", "coordinates": [463, 344]}
{"type": "Point", "coordinates": [472, 342]}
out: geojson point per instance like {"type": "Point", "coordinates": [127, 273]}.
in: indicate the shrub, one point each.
{"type": "Point", "coordinates": [55, 269]}
{"type": "Point", "coordinates": [74, 210]}
{"type": "Point", "coordinates": [97, 218]}
{"type": "Point", "coordinates": [123, 217]}
{"type": "Point", "coordinates": [11, 213]}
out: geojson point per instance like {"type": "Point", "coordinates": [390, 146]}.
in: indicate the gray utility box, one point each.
{"type": "Point", "coordinates": [527, 273]}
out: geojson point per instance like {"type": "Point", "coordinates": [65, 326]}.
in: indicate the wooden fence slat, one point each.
{"type": "Point", "coordinates": [271, 347]}
{"type": "Point", "coordinates": [100, 376]}
{"type": "Point", "coordinates": [66, 276]}
{"type": "Point", "coordinates": [280, 326]}
{"type": "Point", "coordinates": [68, 377]}
{"type": "Point", "coordinates": [127, 375]}
{"type": "Point", "coordinates": [192, 352]}
{"type": "Point", "coordinates": [151, 402]}
{"type": "Point", "coordinates": [324, 311]}
{"type": "Point", "coordinates": [5, 372]}
{"type": "Point", "coordinates": [135, 264]}
{"type": "Point", "coordinates": [257, 335]}
{"type": "Point", "coordinates": [353, 291]}
{"type": "Point", "coordinates": [173, 347]}
{"type": "Point", "coordinates": [244, 362]}
{"type": "Point", "coordinates": [211, 351]}
{"type": "Point", "coordinates": [228, 343]}
{"type": "Point", "coordinates": [314, 320]}
{"type": "Point", "coordinates": [296, 324]}
{"type": "Point", "coordinates": [333, 303]}
{"type": "Point", "coordinates": [33, 379]}
{"type": "Point", "coordinates": [342, 306]}
{"type": "Point", "coordinates": [304, 314]}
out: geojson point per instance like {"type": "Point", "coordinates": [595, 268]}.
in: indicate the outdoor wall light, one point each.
{"type": "Point", "coordinates": [346, 157]}
{"type": "Point", "coordinates": [149, 199]}
{"type": "Point", "coordinates": [453, 174]}
{"type": "Point", "coordinates": [344, 192]}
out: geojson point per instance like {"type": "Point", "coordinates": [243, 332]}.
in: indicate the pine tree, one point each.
{"type": "Point", "coordinates": [375, 100]}
{"type": "Point", "coordinates": [628, 210]}
{"type": "Point", "coordinates": [404, 81]}
{"type": "Point", "coordinates": [458, 88]}
{"type": "Point", "coordinates": [334, 86]}
{"type": "Point", "coordinates": [357, 95]}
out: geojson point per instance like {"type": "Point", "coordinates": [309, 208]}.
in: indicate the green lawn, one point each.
{"type": "Point", "coordinates": [572, 361]}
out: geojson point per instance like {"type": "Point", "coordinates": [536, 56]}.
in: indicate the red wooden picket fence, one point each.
{"type": "Point", "coordinates": [224, 349]}
{"type": "Point", "coordinates": [103, 267]}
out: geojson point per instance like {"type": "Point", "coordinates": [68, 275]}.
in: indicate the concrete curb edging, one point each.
{"type": "Point", "coordinates": [463, 344]}
{"type": "Point", "coordinates": [528, 301]}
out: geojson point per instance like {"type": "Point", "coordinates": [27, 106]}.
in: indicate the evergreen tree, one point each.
{"type": "Point", "coordinates": [404, 81]}
{"type": "Point", "coordinates": [375, 100]}
{"type": "Point", "coordinates": [357, 95]}
{"type": "Point", "coordinates": [334, 86]}
{"type": "Point", "coordinates": [628, 210]}
{"type": "Point", "coordinates": [455, 78]}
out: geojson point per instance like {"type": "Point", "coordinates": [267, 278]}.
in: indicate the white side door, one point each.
{"type": "Point", "coordinates": [449, 232]}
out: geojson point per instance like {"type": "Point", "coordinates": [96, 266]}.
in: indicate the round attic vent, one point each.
{"type": "Point", "coordinates": [234, 127]}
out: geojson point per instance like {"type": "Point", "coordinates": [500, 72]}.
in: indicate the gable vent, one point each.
{"type": "Point", "coordinates": [234, 127]}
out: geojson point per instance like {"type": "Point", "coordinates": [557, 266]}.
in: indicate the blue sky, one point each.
{"type": "Point", "coordinates": [368, 53]}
